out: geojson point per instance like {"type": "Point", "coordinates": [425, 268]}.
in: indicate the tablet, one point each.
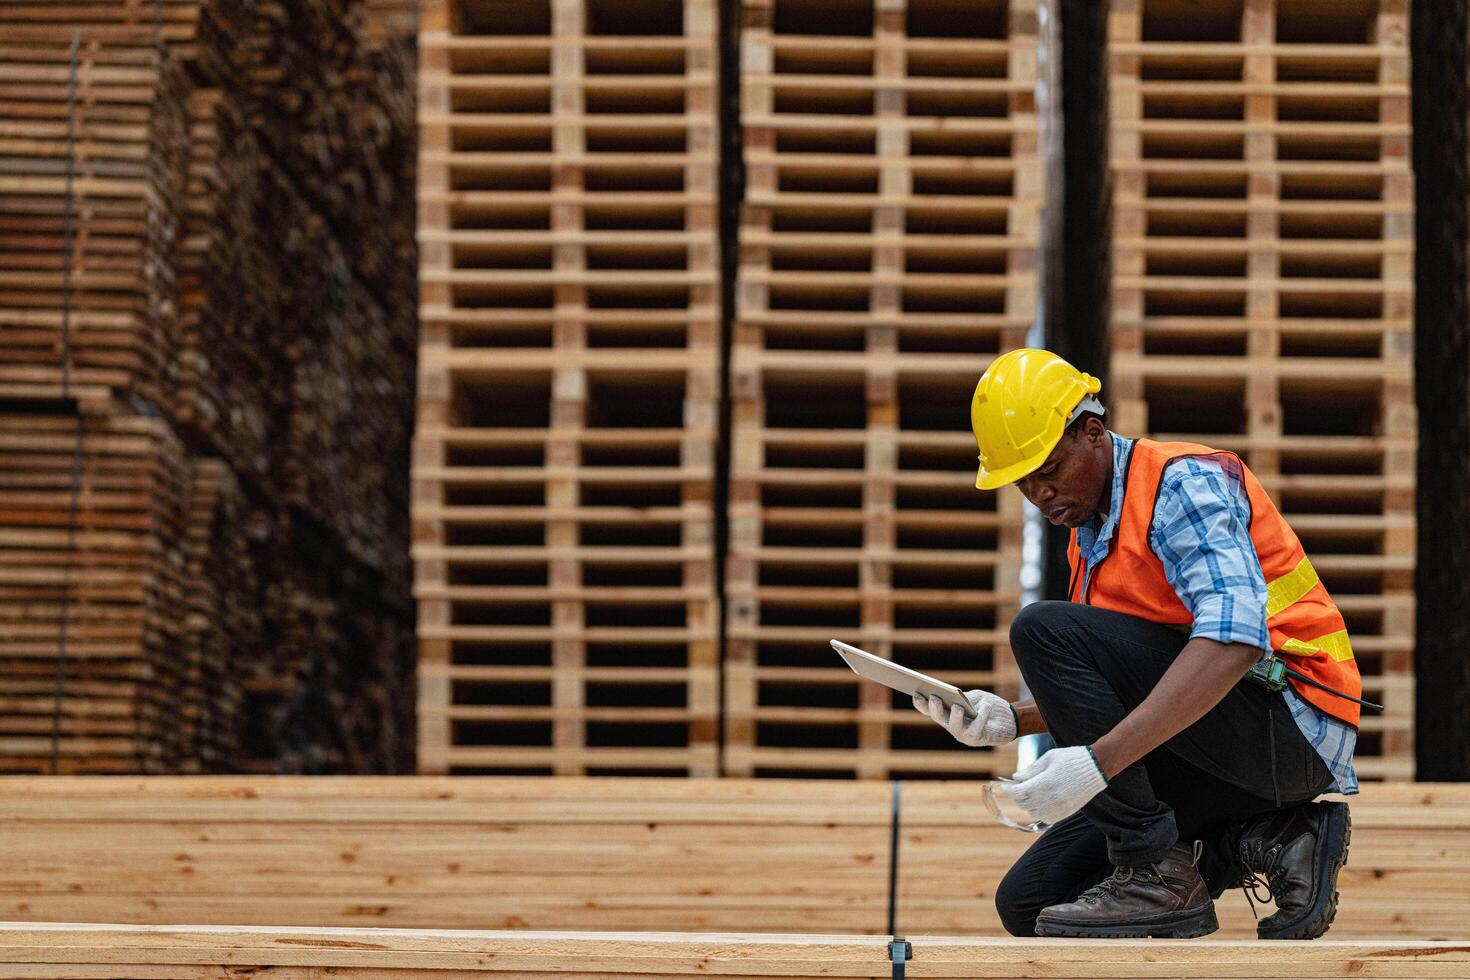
{"type": "Point", "coordinates": [899, 677]}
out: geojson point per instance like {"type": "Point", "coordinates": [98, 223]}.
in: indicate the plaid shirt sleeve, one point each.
{"type": "Point", "coordinates": [1201, 533]}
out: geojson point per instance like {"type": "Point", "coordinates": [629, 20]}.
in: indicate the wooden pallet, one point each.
{"type": "Point", "coordinates": [598, 854]}
{"type": "Point", "coordinates": [568, 388]}
{"type": "Point", "coordinates": [888, 243]}
{"type": "Point", "coordinates": [1263, 285]}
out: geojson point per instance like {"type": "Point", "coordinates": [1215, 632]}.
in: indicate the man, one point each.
{"type": "Point", "coordinates": [1174, 776]}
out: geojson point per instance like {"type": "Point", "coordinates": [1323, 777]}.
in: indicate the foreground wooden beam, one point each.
{"type": "Point", "coordinates": [179, 952]}
{"type": "Point", "coordinates": [700, 856]}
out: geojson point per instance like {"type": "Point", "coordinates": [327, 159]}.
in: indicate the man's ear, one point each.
{"type": "Point", "coordinates": [1096, 430]}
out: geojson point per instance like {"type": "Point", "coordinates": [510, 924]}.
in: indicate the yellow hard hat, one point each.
{"type": "Point", "coordinates": [1022, 405]}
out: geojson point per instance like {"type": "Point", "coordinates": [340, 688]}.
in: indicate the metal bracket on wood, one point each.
{"type": "Point", "coordinates": [900, 951]}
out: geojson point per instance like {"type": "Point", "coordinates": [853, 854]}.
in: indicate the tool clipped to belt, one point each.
{"type": "Point", "coordinates": [1271, 672]}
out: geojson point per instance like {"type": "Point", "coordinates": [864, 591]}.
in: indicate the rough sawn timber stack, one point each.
{"type": "Point", "coordinates": [240, 278]}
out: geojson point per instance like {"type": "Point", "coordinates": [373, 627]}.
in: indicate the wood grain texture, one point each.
{"type": "Point", "coordinates": [758, 855]}
{"type": "Point", "coordinates": [144, 953]}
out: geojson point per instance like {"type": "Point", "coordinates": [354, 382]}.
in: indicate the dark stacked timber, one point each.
{"type": "Point", "coordinates": [222, 624]}
{"type": "Point", "coordinates": [326, 692]}
{"type": "Point", "coordinates": [240, 281]}
{"type": "Point", "coordinates": [229, 396]}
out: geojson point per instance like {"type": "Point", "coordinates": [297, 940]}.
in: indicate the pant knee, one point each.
{"type": "Point", "coordinates": [1016, 906]}
{"type": "Point", "coordinates": [1033, 625]}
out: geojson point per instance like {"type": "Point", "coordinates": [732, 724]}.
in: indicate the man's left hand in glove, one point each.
{"type": "Point", "coordinates": [1058, 784]}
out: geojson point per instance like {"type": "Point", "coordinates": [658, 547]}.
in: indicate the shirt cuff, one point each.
{"type": "Point", "coordinates": [1232, 618]}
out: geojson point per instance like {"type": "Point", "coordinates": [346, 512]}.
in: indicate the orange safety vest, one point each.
{"type": "Point", "coordinates": [1304, 623]}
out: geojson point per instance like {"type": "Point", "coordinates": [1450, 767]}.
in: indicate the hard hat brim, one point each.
{"type": "Point", "coordinates": [995, 479]}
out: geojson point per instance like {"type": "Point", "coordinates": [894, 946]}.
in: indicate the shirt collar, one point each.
{"type": "Point", "coordinates": [1087, 538]}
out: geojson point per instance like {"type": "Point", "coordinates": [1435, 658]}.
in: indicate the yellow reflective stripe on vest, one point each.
{"type": "Point", "coordinates": [1290, 587]}
{"type": "Point", "coordinates": [1336, 645]}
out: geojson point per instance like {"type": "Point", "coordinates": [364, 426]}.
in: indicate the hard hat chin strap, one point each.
{"type": "Point", "coordinates": [1089, 403]}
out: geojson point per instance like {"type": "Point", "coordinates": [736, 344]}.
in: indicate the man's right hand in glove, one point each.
{"type": "Point", "coordinates": [992, 721]}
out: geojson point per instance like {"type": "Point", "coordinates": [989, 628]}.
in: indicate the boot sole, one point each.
{"type": "Point", "coordinates": [1339, 826]}
{"type": "Point", "coordinates": [1181, 925]}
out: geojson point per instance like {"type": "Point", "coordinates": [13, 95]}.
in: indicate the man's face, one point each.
{"type": "Point", "coordinates": [1068, 487]}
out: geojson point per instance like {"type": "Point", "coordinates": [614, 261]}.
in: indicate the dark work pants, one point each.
{"type": "Point", "coordinates": [1087, 668]}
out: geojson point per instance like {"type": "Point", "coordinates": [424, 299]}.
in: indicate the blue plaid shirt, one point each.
{"type": "Point", "coordinates": [1201, 533]}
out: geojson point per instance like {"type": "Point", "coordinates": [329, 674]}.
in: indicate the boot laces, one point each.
{"type": "Point", "coordinates": [1123, 874]}
{"type": "Point", "coordinates": [1254, 855]}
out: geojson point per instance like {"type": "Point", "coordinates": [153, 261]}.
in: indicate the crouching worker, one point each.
{"type": "Point", "coordinates": [1175, 776]}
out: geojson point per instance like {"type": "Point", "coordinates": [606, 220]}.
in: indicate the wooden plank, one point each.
{"type": "Point", "coordinates": [769, 854]}
{"type": "Point", "coordinates": [81, 951]}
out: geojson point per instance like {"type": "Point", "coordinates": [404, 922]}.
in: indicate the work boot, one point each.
{"type": "Point", "coordinates": [1299, 851]}
{"type": "Point", "coordinates": [1166, 900]}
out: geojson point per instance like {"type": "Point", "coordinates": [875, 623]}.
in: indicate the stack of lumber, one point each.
{"type": "Point", "coordinates": [113, 571]}
{"type": "Point", "coordinates": [888, 244]}
{"type": "Point", "coordinates": [391, 21]}
{"type": "Point", "coordinates": [1263, 285]}
{"type": "Point", "coordinates": [564, 460]}
{"type": "Point", "coordinates": [170, 953]}
{"type": "Point", "coordinates": [328, 692]}
{"type": "Point", "coordinates": [241, 277]}
{"type": "Point", "coordinates": [222, 625]}
{"type": "Point", "coordinates": [125, 148]}
{"type": "Point", "coordinates": [229, 395]}
{"type": "Point", "coordinates": [734, 855]}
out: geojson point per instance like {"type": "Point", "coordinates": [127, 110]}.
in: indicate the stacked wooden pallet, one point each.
{"type": "Point", "coordinates": [648, 854]}
{"type": "Point", "coordinates": [1263, 275]}
{"type": "Point", "coordinates": [888, 245]}
{"type": "Point", "coordinates": [568, 387]}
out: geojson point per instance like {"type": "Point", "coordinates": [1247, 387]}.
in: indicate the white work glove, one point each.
{"type": "Point", "coordinates": [994, 722]}
{"type": "Point", "coordinates": [1058, 784]}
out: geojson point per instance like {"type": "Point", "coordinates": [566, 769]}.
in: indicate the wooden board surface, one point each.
{"type": "Point", "coordinates": [764, 855]}
{"type": "Point", "coordinates": [144, 953]}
